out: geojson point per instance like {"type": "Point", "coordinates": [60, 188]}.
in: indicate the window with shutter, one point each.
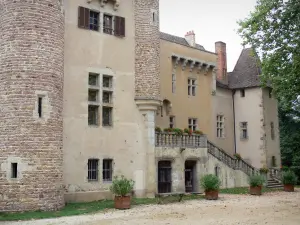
{"type": "Point", "coordinates": [88, 19]}
{"type": "Point", "coordinates": [119, 26]}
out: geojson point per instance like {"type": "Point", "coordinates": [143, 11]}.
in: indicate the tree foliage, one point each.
{"type": "Point", "coordinates": [290, 139]}
{"type": "Point", "coordinates": [272, 29]}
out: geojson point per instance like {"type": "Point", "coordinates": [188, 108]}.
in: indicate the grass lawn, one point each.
{"type": "Point", "coordinates": [245, 190]}
{"type": "Point", "coordinates": [72, 209]}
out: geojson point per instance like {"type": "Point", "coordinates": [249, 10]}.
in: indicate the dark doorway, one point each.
{"type": "Point", "coordinates": [190, 176]}
{"type": "Point", "coordinates": [164, 177]}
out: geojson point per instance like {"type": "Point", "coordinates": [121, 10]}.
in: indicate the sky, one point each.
{"type": "Point", "coordinates": [211, 20]}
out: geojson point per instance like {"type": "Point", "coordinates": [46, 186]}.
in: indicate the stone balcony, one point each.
{"type": "Point", "coordinates": [164, 139]}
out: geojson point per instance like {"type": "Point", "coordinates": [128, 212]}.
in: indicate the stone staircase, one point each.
{"type": "Point", "coordinates": [273, 183]}
{"type": "Point", "coordinates": [274, 180]}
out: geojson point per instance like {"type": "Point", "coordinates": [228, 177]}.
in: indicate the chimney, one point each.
{"type": "Point", "coordinates": [190, 38]}
{"type": "Point", "coordinates": [220, 49]}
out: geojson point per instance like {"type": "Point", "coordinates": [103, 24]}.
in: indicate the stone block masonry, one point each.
{"type": "Point", "coordinates": [147, 49]}
{"type": "Point", "coordinates": [31, 104]}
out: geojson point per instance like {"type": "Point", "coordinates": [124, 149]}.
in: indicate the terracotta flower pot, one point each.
{"type": "Point", "coordinates": [211, 195]}
{"type": "Point", "coordinates": [122, 202]}
{"type": "Point", "coordinates": [255, 190]}
{"type": "Point", "coordinates": [288, 187]}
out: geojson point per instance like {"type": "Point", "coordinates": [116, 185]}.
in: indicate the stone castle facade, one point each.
{"type": "Point", "coordinates": [83, 85]}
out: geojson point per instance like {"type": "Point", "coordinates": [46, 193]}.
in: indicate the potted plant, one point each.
{"type": "Point", "coordinates": [289, 180]}
{"type": "Point", "coordinates": [178, 131]}
{"type": "Point", "coordinates": [188, 131]}
{"type": "Point", "coordinates": [157, 129]}
{"type": "Point", "coordinates": [211, 185]}
{"type": "Point", "coordinates": [122, 188]}
{"type": "Point", "coordinates": [256, 182]}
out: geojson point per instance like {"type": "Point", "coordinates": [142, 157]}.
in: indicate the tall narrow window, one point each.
{"type": "Point", "coordinates": [107, 116]}
{"type": "Point", "coordinates": [107, 170]}
{"type": "Point", "coordinates": [164, 176]}
{"type": "Point", "coordinates": [192, 87]}
{"type": "Point", "coordinates": [244, 130]}
{"type": "Point", "coordinates": [172, 121]}
{"type": "Point", "coordinates": [93, 169]}
{"type": "Point", "coordinates": [242, 91]}
{"type": "Point", "coordinates": [93, 99]}
{"type": "Point", "coordinates": [107, 24]}
{"type": "Point", "coordinates": [220, 126]}
{"type": "Point", "coordinates": [192, 124]}
{"type": "Point", "coordinates": [14, 170]}
{"type": "Point", "coordinates": [173, 83]}
{"type": "Point", "coordinates": [40, 107]}
{"type": "Point", "coordinates": [272, 131]}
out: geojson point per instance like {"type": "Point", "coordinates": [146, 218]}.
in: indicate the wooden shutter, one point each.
{"type": "Point", "coordinates": [119, 26]}
{"type": "Point", "coordinates": [83, 17]}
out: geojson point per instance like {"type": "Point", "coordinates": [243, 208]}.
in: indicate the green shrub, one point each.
{"type": "Point", "coordinates": [187, 131]}
{"type": "Point", "coordinates": [256, 180]}
{"type": "Point", "coordinates": [122, 186]}
{"type": "Point", "coordinates": [198, 132]}
{"type": "Point", "coordinates": [289, 177]}
{"type": "Point", "coordinates": [178, 131]}
{"type": "Point", "coordinates": [210, 182]}
{"type": "Point", "coordinates": [157, 129]}
{"type": "Point", "coordinates": [237, 156]}
{"type": "Point", "coordinates": [168, 130]}
{"type": "Point", "coordinates": [263, 170]}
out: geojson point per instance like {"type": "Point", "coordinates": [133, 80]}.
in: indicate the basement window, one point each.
{"type": "Point", "coordinates": [14, 170]}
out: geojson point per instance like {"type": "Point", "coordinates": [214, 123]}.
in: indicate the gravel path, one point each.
{"type": "Point", "coordinates": [277, 208]}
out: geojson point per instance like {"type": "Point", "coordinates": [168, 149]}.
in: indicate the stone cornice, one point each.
{"type": "Point", "coordinates": [147, 104]}
{"type": "Point", "coordinates": [200, 65]}
{"type": "Point", "coordinates": [103, 2]}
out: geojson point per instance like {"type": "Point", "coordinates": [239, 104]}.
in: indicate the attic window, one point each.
{"type": "Point", "coordinates": [242, 91]}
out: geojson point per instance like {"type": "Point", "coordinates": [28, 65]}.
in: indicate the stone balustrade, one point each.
{"type": "Point", "coordinates": [164, 139]}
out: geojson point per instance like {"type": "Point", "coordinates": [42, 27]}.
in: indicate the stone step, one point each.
{"type": "Point", "coordinates": [275, 186]}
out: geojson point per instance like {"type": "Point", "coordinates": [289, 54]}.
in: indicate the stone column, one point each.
{"type": "Point", "coordinates": [148, 110]}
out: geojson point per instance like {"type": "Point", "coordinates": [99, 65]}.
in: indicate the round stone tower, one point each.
{"type": "Point", "coordinates": [147, 50]}
{"type": "Point", "coordinates": [147, 81]}
{"type": "Point", "coordinates": [31, 104]}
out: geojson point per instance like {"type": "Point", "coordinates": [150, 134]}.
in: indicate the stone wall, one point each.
{"type": "Point", "coordinates": [31, 67]}
{"type": "Point", "coordinates": [205, 164]}
{"type": "Point", "coordinates": [147, 49]}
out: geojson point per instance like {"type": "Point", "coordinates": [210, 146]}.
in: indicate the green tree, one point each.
{"type": "Point", "coordinates": [290, 139]}
{"type": "Point", "coordinates": [272, 29]}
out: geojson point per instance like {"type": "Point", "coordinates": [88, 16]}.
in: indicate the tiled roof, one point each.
{"type": "Point", "coordinates": [178, 40]}
{"type": "Point", "coordinates": [246, 71]}
{"type": "Point", "coordinates": [221, 84]}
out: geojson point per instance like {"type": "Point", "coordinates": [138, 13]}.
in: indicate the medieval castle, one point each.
{"type": "Point", "coordinates": [86, 88]}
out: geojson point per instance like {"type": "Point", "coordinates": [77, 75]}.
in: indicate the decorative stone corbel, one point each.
{"type": "Point", "coordinates": [192, 66]}
{"type": "Point", "coordinates": [200, 67]}
{"type": "Point", "coordinates": [206, 69]}
{"type": "Point", "coordinates": [103, 2]}
{"type": "Point", "coordinates": [116, 5]}
{"type": "Point", "coordinates": [176, 62]}
{"type": "Point", "coordinates": [184, 64]}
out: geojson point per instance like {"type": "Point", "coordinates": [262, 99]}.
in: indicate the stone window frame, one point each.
{"type": "Point", "coordinates": [154, 21]}
{"type": "Point", "coordinates": [94, 104]}
{"type": "Point", "coordinates": [101, 90]}
{"type": "Point", "coordinates": [272, 130]}
{"type": "Point", "coordinates": [172, 121]}
{"type": "Point", "coordinates": [192, 85]}
{"type": "Point", "coordinates": [173, 83]}
{"type": "Point", "coordinates": [192, 123]}
{"type": "Point", "coordinates": [244, 131]}
{"type": "Point", "coordinates": [107, 179]}
{"type": "Point", "coordinates": [117, 27]}
{"type": "Point", "coordinates": [220, 126]}
{"type": "Point", "coordinates": [93, 166]}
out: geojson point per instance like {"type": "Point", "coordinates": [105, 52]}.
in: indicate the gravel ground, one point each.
{"type": "Point", "coordinates": [277, 208]}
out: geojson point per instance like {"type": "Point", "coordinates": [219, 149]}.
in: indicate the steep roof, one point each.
{"type": "Point", "coordinates": [178, 40]}
{"type": "Point", "coordinates": [246, 71]}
